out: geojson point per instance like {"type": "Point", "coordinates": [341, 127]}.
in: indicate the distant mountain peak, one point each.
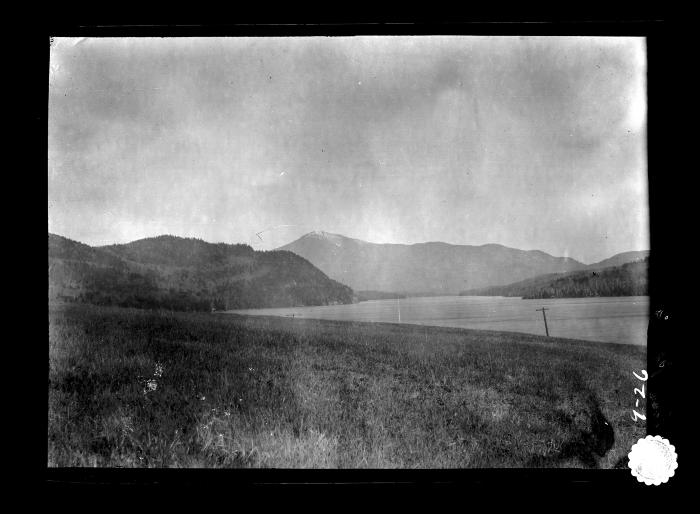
{"type": "Point", "coordinates": [432, 267]}
{"type": "Point", "coordinates": [336, 239]}
{"type": "Point", "coordinates": [324, 234]}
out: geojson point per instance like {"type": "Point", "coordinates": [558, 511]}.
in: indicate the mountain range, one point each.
{"type": "Point", "coordinates": [433, 267]}
{"type": "Point", "coordinates": [317, 269]}
{"type": "Point", "coordinates": [186, 274]}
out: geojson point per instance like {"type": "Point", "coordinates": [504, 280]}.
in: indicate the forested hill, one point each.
{"type": "Point", "coordinates": [186, 274]}
{"type": "Point", "coordinates": [629, 279]}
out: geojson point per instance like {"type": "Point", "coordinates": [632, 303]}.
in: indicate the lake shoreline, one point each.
{"type": "Point", "coordinates": [621, 320]}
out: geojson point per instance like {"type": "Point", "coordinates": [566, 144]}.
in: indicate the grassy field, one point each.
{"type": "Point", "coordinates": [136, 388]}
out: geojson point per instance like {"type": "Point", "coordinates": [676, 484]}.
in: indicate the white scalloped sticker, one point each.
{"type": "Point", "coordinates": [653, 460]}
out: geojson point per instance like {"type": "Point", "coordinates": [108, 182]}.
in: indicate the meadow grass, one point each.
{"type": "Point", "coordinates": [134, 388]}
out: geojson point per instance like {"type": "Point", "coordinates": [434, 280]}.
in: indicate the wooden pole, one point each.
{"type": "Point", "coordinates": [545, 319]}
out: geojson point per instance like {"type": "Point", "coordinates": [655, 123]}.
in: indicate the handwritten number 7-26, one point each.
{"type": "Point", "coordinates": [636, 415]}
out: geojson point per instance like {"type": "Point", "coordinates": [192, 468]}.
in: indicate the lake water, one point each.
{"type": "Point", "coordinates": [617, 320]}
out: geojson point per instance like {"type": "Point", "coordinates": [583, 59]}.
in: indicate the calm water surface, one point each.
{"type": "Point", "coordinates": [616, 320]}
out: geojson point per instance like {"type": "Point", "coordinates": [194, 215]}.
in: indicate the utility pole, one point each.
{"type": "Point", "coordinates": [545, 319]}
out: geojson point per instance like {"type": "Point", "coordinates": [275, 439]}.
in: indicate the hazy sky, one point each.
{"type": "Point", "coordinates": [534, 143]}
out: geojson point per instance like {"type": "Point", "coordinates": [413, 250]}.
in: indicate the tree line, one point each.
{"type": "Point", "coordinates": [629, 279]}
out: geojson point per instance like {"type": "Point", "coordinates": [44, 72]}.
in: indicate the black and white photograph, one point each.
{"type": "Point", "coordinates": [351, 252]}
